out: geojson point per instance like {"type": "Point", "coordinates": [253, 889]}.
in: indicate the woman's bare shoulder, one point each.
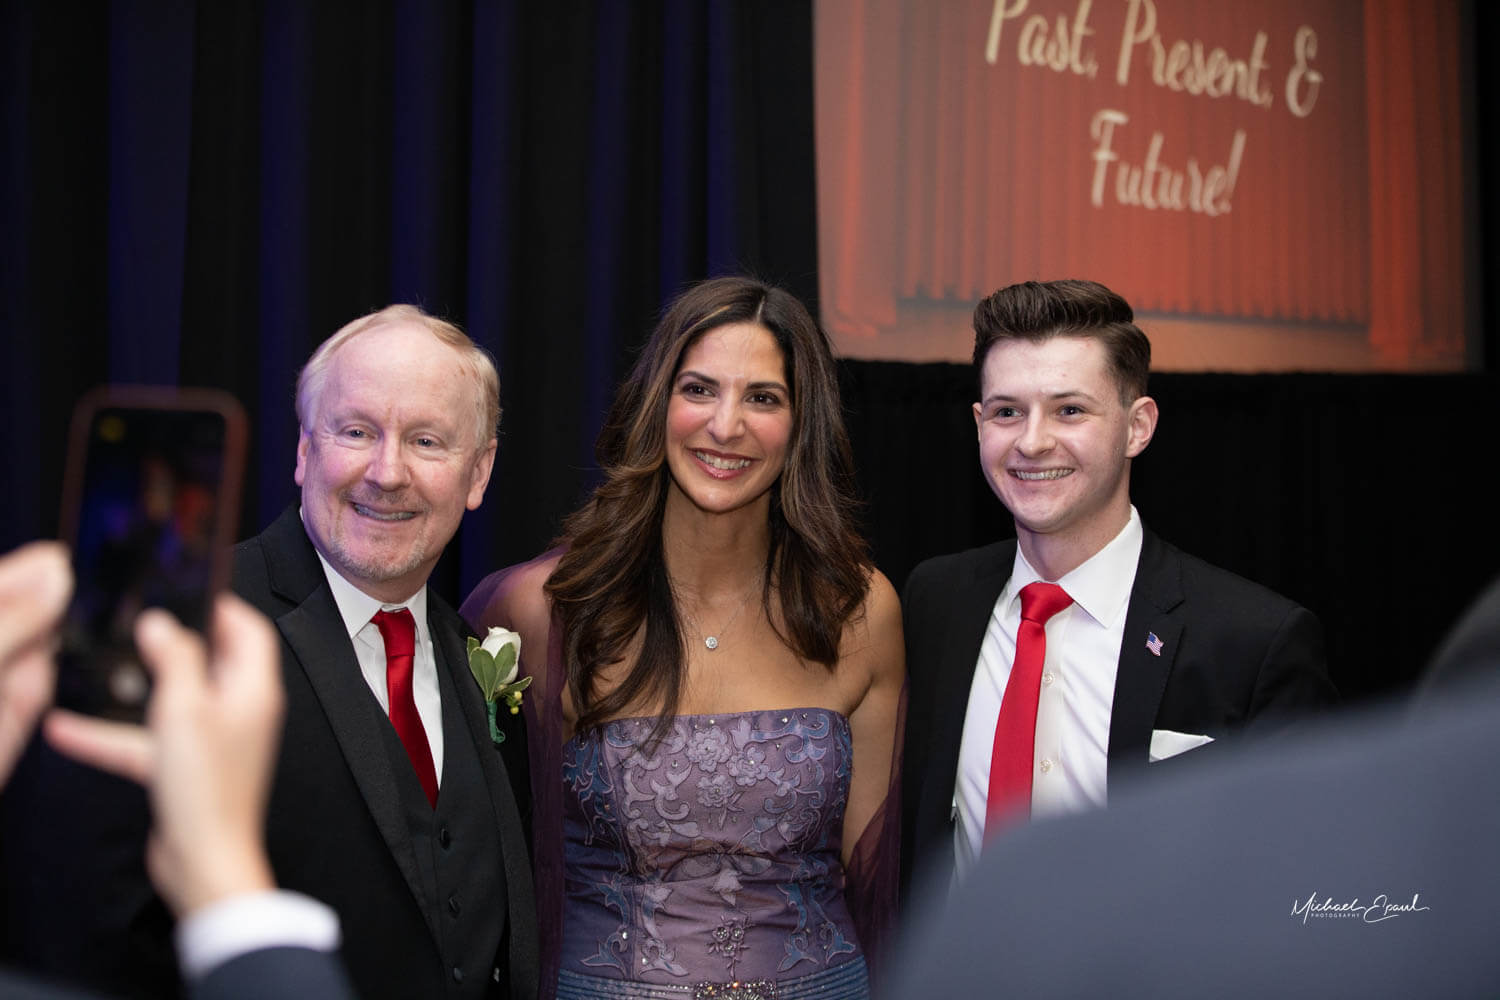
{"type": "Point", "coordinates": [882, 607]}
{"type": "Point", "coordinates": [873, 640]}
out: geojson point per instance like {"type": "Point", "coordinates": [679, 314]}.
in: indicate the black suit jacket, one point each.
{"type": "Point", "coordinates": [348, 843]}
{"type": "Point", "coordinates": [14, 986]}
{"type": "Point", "coordinates": [276, 972]}
{"type": "Point", "coordinates": [1235, 656]}
{"type": "Point", "coordinates": [255, 975]}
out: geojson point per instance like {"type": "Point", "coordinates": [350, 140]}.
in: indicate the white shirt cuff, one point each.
{"type": "Point", "coordinates": [249, 922]}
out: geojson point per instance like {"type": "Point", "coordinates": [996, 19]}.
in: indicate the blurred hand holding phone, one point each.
{"type": "Point", "coordinates": [150, 508]}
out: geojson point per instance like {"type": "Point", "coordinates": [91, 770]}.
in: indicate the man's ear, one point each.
{"type": "Point", "coordinates": [303, 440]}
{"type": "Point", "coordinates": [479, 475]}
{"type": "Point", "coordinates": [1140, 425]}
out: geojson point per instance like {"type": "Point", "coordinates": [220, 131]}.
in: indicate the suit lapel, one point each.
{"type": "Point", "coordinates": [314, 629]}
{"type": "Point", "coordinates": [967, 619]}
{"type": "Point", "coordinates": [448, 632]}
{"type": "Point", "coordinates": [316, 634]}
{"type": "Point", "coordinates": [1142, 676]}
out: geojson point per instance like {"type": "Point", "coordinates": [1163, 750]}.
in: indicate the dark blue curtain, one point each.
{"type": "Point", "coordinates": [198, 193]}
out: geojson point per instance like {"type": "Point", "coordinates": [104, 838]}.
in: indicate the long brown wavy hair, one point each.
{"type": "Point", "coordinates": [613, 575]}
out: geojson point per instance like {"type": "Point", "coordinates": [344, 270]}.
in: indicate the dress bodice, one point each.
{"type": "Point", "coordinates": [711, 855]}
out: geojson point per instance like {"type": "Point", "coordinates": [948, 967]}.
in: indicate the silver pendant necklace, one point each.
{"type": "Point", "coordinates": [712, 641]}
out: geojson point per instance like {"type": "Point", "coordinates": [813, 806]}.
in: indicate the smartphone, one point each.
{"type": "Point", "coordinates": [150, 507]}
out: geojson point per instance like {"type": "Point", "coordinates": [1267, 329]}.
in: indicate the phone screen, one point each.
{"type": "Point", "coordinates": [151, 505]}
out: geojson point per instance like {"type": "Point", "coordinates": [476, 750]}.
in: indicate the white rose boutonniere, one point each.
{"type": "Point", "coordinates": [494, 664]}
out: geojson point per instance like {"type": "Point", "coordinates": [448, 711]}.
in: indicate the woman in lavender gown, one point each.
{"type": "Point", "coordinates": [718, 670]}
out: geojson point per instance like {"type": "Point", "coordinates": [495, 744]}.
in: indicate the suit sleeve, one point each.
{"type": "Point", "coordinates": [276, 972]}
{"type": "Point", "coordinates": [921, 589]}
{"type": "Point", "coordinates": [1293, 677]}
{"type": "Point", "coordinates": [917, 831]}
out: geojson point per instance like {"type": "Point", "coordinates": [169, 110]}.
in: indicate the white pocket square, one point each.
{"type": "Point", "coordinates": [1166, 743]}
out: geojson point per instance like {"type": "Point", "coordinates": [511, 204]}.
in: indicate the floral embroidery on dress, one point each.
{"type": "Point", "coordinates": [726, 832]}
{"type": "Point", "coordinates": [714, 792]}
{"type": "Point", "coordinates": [749, 766]}
{"type": "Point", "coordinates": [708, 748]}
{"type": "Point", "coordinates": [729, 941]}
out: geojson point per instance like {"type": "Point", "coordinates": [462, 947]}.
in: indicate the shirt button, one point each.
{"type": "Point", "coordinates": [1046, 765]}
{"type": "Point", "coordinates": [453, 905]}
{"type": "Point", "coordinates": [458, 974]}
{"type": "Point", "coordinates": [1047, 677]}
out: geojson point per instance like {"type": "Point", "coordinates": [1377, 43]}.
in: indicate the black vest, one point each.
{"type": "Point", "coordinates": [458, 857]}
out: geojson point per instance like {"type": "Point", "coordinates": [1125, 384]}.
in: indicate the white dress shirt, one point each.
{"type": "Point", "coordinates": [1076, 696]}
{"type": "Point", "coordinates": [357, 608]}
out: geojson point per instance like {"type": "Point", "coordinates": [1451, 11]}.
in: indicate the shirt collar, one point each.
{"type": "Point", "coordinates": [1101, 584]}
{"type": "Point", "coordinates": [357, 607]}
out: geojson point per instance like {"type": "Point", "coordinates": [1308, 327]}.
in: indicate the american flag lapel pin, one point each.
{"type": "Point", "coordinates": [1153, 643]}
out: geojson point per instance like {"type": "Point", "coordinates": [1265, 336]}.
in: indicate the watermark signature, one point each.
{"type": "Point", "coordinates": [1378, 909]}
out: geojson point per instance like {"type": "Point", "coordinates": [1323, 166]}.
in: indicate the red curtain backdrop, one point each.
{"type": "Point", "coordinates": [943, 176]}
{"type": "Point", "coordinates": [1416, 196]}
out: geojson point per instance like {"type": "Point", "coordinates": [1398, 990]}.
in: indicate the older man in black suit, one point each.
{"type": "Point", "coordinates": [391, 802]}
{"type": "Point", "coordinates": [1042, 669]}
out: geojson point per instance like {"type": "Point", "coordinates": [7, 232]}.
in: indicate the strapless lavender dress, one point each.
{"type": "Point", "coordinates": [708, 865]}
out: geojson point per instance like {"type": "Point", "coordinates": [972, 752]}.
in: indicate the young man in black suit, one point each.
{"type": "Point", "coordinates": [1262, 874]}
{"type": "Point", "coordinates": [1138, 652]}
{"type": "Point", "coordinates": [391, 802]}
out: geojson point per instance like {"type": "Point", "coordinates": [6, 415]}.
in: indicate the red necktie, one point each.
{"type": "Point", "coordinates": [400, 634]}
{"type": "Point", "coordinates": [1011, 763]}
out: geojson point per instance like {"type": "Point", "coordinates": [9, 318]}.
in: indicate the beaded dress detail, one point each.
{"type": "Point", "coordinates": [710, 857]}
